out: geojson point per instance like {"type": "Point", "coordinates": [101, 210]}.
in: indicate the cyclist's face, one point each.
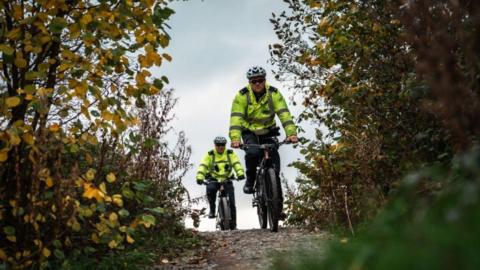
{"type": "Point", "coordinates": [257, 84]}
{"type": "Point", "coordinates": [220, 148]}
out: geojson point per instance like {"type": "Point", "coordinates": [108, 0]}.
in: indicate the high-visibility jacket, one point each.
{"type": "Point", "coordinates": [220, 166]}
{"type": "Point", "coordinates": [248, 114]}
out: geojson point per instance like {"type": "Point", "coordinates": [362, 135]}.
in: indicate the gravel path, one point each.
{"type": "Point", "coordinates": [245, 249]}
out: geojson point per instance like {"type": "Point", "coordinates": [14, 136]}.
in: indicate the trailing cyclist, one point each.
{"type": "Point", "coordinates": [252, 120]}
{"type": "Point", "coordinates": [220, 165]}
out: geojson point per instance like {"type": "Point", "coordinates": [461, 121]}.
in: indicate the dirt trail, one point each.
{"type": "Point", "coordinates": [245, 249]}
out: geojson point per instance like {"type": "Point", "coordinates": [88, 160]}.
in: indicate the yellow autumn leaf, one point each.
{"type": "Point", "coordinates": [46, 252]}
{"type": "Point", "coordinates": [12, 101]}
{"type": "Point", "coordinates": [3, 255]}
{"type": "Point", "coordinates": [140, 78]}
{"type": "Point", "coordinates": [130, 240]}
{"type": "Point", "coordinates": [95, 238]}
{"type": "Point", "coordinates": [91, 192]}
{"type": "Point", "coordinates": [14, 33]}
{"type": "Point", "coordinates": [88, 158]}
{"type": "Point", "coordinates": [107, 116]}
{"type": "Point", "coordinates": [117, 200]}
{"type": "Point", "coordinates": [111, 178]}
{"type": "Point", "coordinates": [167, 57]}
{"type": "Point", "coordinates": [3, 156]}
{"type": "Point", "coordinates": [90, 175]}
{"type": "Point", "coordinates": [28, 138]}
{"type": "Point", "coordinates": [113, 217]}
{"type": "Point", "coordinates": [12, 238]}
{"type": "Point", "coordinates": [86, 19]}
{"type": "Point", "coordinates": [54, 127]}
{"type": "Point", "coordinates": [76, 226]}
{"type": "Point", "coordinates": [14, 139]}
{"type": "Point", "coordinates": [49, 182]}
{"type": "Point", "coordinates": [112, 244]}
{"type": "Point", "coordinates": [20, 62]}
{"type": "Point", "coordinates": [103, 187]}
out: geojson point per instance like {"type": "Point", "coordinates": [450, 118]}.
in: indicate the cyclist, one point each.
{"type": "Point", "coordinates": [219, 165]}
{"type": "Point", "coordinates": [252, 120]}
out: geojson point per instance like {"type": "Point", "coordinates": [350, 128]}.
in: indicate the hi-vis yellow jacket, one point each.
{"type": "Point", "coordinates": [220, 166]}
{"type": "Point", "coordinates": [248, 114]}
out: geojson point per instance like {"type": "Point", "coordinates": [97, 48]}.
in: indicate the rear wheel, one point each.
{"type": "Point", "coordinates": [262, 214]}
{"type": "Point", "coordinates": [261, 203]}
{"type": "Point", "coordinates": [273, 201]}
{"type": "Point", "coordinates": [224, 214]}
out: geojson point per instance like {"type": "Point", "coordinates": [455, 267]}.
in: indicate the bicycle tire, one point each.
{"type": "Point", "coordinates": [261, 202]}
{"type": "Point", "coordinates": [273, 199]}
{"type": "Point", "coordinates": [224, 213]}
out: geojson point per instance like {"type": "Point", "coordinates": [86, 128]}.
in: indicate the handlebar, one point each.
{"type": "Point", "coordinates": [207, 181]}
{"type": "Point", "coordinates": [267, 146]}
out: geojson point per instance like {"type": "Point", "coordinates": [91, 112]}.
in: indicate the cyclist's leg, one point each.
{"type": "Point", "coordinates": [231, 197]}
{"type": "Point", "coordinates": [212, 189]}
{"type": "Point", "coordinates": [252, 158]}
{"type": "Point", "coordinates": [276, 162]}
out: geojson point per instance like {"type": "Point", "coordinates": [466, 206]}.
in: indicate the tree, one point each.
{"type": "Point", "coordinates": [357, 77]}
{"type": "Point", "coordinates": [73, 73]}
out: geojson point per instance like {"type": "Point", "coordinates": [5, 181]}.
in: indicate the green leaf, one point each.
{"type": "Point", "coordinates": [150, 143]}
{"type": "Point", "coordinates": [156, 210]}
{"type": "Point", "coordinates": [149, 218]}
{"type": "Point", "coordinates": [57, 25]}
{"type": "Point", "coordinates": [9, 230]}
{"type": "Point", "coordinates": [158, 83]}
{"type": "Point", "coordinates": [58, 254]}
{"type": "Point", "coordinates": [123, 213]}
{"type": "Point", "coordinates": [128, 193]}
{"type": "Point", "coordinates": [161, 14]}
{"type": "Point", "coordinates": [57, 243]}
{"type": "Point", "coordinates": [95, 113]}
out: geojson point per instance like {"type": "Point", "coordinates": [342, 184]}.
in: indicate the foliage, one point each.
{"type": "Point", "coordinates": [356, 74]}
{"type": "Point", "coordinates": [437, 232]}
{"type": "Point", "coordinates": [433, 221]}
{"type": "Point", "coordinates": [83, 170]}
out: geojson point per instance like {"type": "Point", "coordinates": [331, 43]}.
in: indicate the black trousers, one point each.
{"type": "Point", "coordinates": [212, 189]}
{"type": "Point", "coordinates": [254, 155]}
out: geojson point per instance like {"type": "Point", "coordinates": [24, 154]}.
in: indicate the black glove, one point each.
{"type": "Point", "coordinates": [240, 177]}
{"type": "Point", "coordinates": [200, 181]}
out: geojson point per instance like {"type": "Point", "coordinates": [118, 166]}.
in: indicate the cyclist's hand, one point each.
{"type": "Point", "coordinates": [200, 181]}
{"type": "Point", "coordinates": [240, 177]}
{"type": "Point", "coordinates": [293, 139]}
{"type": "Point", "coordinates": [235, 144]}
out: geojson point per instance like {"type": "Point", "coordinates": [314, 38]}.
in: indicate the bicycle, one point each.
{"type": "Point", "coordinates": [267, 190]}
{"type": "Point", "coordinates": [224, 214]}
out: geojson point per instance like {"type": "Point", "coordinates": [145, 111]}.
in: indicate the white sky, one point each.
{"type": "Point", "coordinates": [213, 44]}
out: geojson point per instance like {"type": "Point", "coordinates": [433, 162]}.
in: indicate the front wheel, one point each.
{"type": "Point", "coordinates": [262, 213]}
{"type": "Point", "coordinates": [224, 214]}
{"type": "Point", "coordinates": [273, 199]}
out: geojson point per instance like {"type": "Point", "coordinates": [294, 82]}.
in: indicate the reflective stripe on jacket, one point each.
{"type": "Point", "coordinates": [257, 117]}
{"type": "Point", "coordinates": [220, 166]}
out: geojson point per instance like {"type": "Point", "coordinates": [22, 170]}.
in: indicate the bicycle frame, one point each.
{"type": "Point", "coordinates": [264, 198]}
{"type": "Point", "coordinates": [224, 216]}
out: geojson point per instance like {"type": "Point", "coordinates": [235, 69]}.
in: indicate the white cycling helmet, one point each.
{"type": "Point", "coordinates": [256, 71]}
{"type": "Point", "coordinates": [220, 140]}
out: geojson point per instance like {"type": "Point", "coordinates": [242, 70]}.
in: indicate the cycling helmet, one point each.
{"type": "Point", "coordinates": [256, 71]}
{"type": "Point", "coordinates": [220, 140]}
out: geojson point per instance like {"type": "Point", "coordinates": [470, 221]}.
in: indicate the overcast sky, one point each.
{"type": "Point", "coordinates": [213, 44]}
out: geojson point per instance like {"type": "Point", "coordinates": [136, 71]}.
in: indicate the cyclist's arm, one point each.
{"type": "Point", "coordinates": [237, 166]}
{"type": "Point", "coordinates": [203, 167]}
{"type": "Point", "coordinates": [237, 117]}
{"type": "Point", "coordinates": [281, 109]}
